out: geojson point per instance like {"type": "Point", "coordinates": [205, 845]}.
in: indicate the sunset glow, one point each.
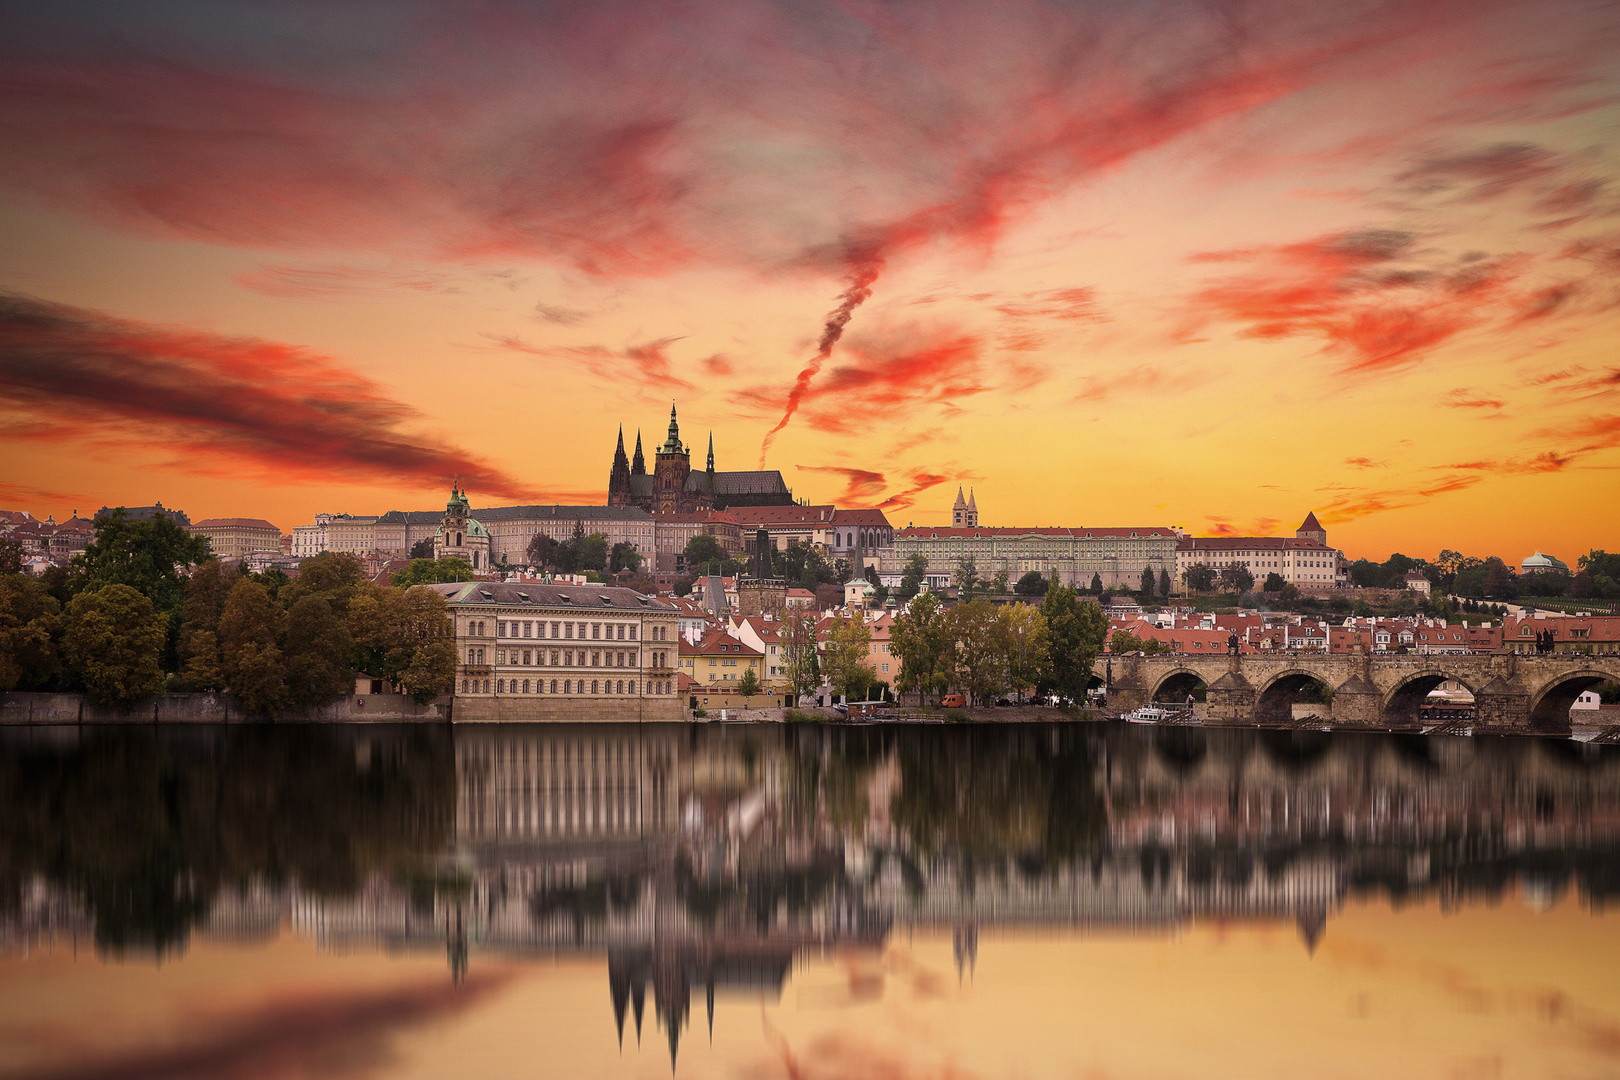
{"type": "Point", "coordinates": [1212, 266]}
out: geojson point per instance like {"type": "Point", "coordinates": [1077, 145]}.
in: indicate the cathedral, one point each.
{"type": "Point", "coordinates": [674, 488]}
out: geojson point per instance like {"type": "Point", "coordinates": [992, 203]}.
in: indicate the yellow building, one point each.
{"type": "Point", "coordinates": [233, 538]}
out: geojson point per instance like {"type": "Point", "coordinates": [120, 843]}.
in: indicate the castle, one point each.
{"type": "Point", "coordinates": [673, 488]}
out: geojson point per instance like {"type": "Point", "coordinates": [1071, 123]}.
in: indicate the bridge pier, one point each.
{"type": "Point", "coordinates": [1357, 703]}
{"type": "Point", "coordinates": [1231, 697]}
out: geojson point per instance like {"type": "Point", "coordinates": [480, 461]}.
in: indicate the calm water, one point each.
{"type": "Point", "coordinates": [1080, 901]}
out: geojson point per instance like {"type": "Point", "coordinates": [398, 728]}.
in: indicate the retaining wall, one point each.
{"type": "Point", "coordinates": [18, 708]}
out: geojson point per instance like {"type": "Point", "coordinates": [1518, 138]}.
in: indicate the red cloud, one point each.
{"type": "Point", "coordinates": [861, 485]}
{"type": "Point", "coordinates": [648, 364]}
{"type": "Point", "coordinates": [1369, 295]}
{"type": "Point", "coordinates": [278, 407]}
{"type": "Point", "coordinates": [1463, 398]}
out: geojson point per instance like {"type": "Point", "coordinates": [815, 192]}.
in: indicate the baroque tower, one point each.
{"type": "Point", "coordinates": [670, 469]}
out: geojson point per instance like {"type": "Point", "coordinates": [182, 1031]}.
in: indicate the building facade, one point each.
{"type": "Point", "coordinates": [533, 652]}
{"type": "Point", "coordinates": [1066, 556]}
{"type": "Point", "coordinates": [1304, 560]}
{"type": "Point", "coordinates": [674, 488]}
{"type": "Point", "coordinates": [234, 538]}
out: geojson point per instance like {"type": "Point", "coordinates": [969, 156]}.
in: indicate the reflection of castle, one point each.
{"type": "Point", "coordinates": [700, 861]}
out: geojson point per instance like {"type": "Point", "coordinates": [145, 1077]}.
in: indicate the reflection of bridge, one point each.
{"type": "Point", "coordinates": [1511, 693]}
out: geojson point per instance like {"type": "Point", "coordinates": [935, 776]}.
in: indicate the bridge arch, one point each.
{"type": "Point", "coordinates": [1177, 685]}
{"type": "Point", "coordinates": [1549, 709]}
{"type": "Point", "coordinates": [1274, 702]}
{"type": "Point", "coordinates": [1402, 703]}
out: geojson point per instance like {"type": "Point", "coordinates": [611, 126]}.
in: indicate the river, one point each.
{"type": "Point", "coordinates": [1056, 900]}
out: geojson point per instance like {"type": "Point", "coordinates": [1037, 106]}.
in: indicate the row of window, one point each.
{"type": "Point", "coordinates": [569, 658]}
{"type": "Point", "coordinates": [569, 686]}
{"type": "Point", "coordinates": [598, 631]}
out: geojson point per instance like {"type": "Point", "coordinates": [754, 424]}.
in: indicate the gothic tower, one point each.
{"type": "Point", "coordinates": [638, 464]}
{"type": "Point", "coordinates": [972, 510]}
{"type": "Point", "coordinates": [619, 475]}
{"type": "Point", "coordinates": [959, 510]}
{"type": "Point", "coordinates": [670, 469]}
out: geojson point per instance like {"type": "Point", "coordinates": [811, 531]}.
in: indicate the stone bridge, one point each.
{"type": "Point", "coordinates": [1512, 693]}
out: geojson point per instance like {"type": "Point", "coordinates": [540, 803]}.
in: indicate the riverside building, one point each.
{"type": "Point", "coordinates": [531, 652]}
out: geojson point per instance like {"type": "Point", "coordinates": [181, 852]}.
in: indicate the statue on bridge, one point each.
{"type": "Point", "coordinates": [1232, 644]}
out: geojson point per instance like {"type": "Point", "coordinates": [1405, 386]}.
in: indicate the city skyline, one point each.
{"type": "Point", "coordinates": [1107, 266]}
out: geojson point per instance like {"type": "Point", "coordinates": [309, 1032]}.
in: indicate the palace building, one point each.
{"type": "Point", "coordinates": [674, 488]}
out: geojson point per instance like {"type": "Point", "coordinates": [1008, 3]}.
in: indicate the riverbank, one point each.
{"type": "Point", "coordinates": [22, 709]}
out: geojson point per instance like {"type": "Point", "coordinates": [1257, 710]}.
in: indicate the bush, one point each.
{"type": "Point", "coordinates": [957, 716]}
{"type": "Point", "coordinates": [798, 716]}
{"type": "Point", "coordinates": [700, 714]}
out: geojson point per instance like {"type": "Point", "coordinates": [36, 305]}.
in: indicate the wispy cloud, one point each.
{"type": "Point", "coordinates": [273, 406]}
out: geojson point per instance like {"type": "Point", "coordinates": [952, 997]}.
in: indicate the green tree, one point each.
{"type": "Point", "coordinates": [433, 572]}
{"type": "Point", "coordinates": [250, 628]}
{"type": "Point", "coordinates": [911, 582]}
{"type": "Point", "coordinates": [593, 552]}
{"type": "Point", "coordinates": [1124, 641]}
{"type": "Point", "coordinates": [624, 557]}
{"type": "Point", "coordinates": [30, 626]}
{"type": "Point", "coordinates": [113, 640]}
{"type": "Point", "coordinates": [542, 551]}
{"type": "Point", "coordinates": [1237, 577]}
{"type": "Point", "coordinates": [976, 662]}
{"type": "Point", "coordinates": [316, 647]}
{"type": "Point", "coordinates": [1000, 584]}
{"type": "Point", "coordinates": [703, 550]}
{"type": "Point", "coordinates": [1021, 637]}
{"type": "Point", "coordinates": [1200, 577]}
{"type": "Point", "coordinates": [1075, 631]}
{"type": "Point", "coordinates": [966, 577]}
{"type": "Point", "coordinates": [1096, 585]}
{"type": "Point", "coordinates": [405, 637]}
{"type": "Point", "coordinates": [332, 576]}
{"type": "Point", "coordinates": [1147, 582]}
{"type": "Point", "coordinates": [920, 637]}
{"type": "Point", "coordinates": [152, 557]}
{"type": "Point", "coordinates": [1275, 582]}
{"type": "Point", "coordinates": [849, 644]}
{"type": "Point", "coordinates": [11, 557]}
{"type": "Point", "coordinates": [748, 686]}
{"type": "Point", "coordinates": [1033, 583]}
{"type": "Point", "coordinates": [422, 549]}
{"type": "Point", "coordinates": [801, 665]}
{"type": "Point", "coordinates": [1164, 582]}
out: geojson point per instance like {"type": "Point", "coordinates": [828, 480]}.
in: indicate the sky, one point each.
{"type": "Point", "coordinates": [1211, 265]}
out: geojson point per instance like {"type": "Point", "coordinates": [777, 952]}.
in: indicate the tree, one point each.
{"type": "Point", "coordinates": [849, 644]}
{"type": "Point", "coordinates": [1147, 582]}
{"type": "Point", "coordinates": [113, 640]}
{"type": "Point", "coordinates": [966, 577]}
{"type": "Point", "coordinates": [1124, 642]}
{"type": "Point", "coordinates": [748, 685]}
{"type": "Point", "coordinates": [30, 625]}
{"type": "Point", "coordinates": [316, 649]}
{"type": "Point", "coordinates": [332, 575]}
{"type": "Point", "coordinates": [433, 572]}
{"type": "Point", "coordinates": [206, 592]}
{"type": "Point", "coordinates": [542, 551]}
{"type": "Point", "coordinates": [999, 584]}
{"type": "Point", "coordinates": [249, 650]}
{"type": "Point", "coordinates": [1275, 582]}
{"type": "Point", "coordinates": [976, 661]}
{"type": "Point", "coordinates": [1033, 583]}
{"type": "Point", "coordinates": [1498, 578]}
{"type": "Point", "coordinates": [1096, 585]}
{"type": "Point", "coordinates": [829, 597]}
{"type": "Point", "coordinates": [703, 550]}
{"type": "Point", "coordinates": [1237, 577]}
{"type": "Point", "coordinates": [1200, 577]}
{"type": "Point", "coordinates": [11, 557]}
{"type": "Point", "coordinates": [624, 556]}
{"type": "Point", "coordinates": [1164, 582]}
{"type": "Point", "coordinates": [800, 664]}
{"type": "Point", "coordinates": [1022, 639]}
{"type": "Point", "coordinates": [911, 582]}
{"type": "Point", "coordinates": [405, 637]}
{"type": "Point", "coordinates": [152, 557]}
{"type": "Point", "coordinates": [1075, 633]}
{"type": "Point", "coordinates": [920, 638]}
{"type": "Point", "coordinates": [423, 548]}
{"type": "Point", "coordinates": [593, 552]}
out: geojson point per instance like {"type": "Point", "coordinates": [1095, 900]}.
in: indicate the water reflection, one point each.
{"type": "Point", "coordinates": [702, 860]}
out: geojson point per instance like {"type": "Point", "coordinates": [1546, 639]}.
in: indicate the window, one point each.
{"type": "Point", "coordinates": [596, 631]}
{"type": "Point", "coordinates": [500, 686]}
{"type": "Point", "coordinates": [500, 656]}
{"type": "Point", "coordinates": [621, 686]}
{"type": "Point", "coordinates": [501, 630]}
{"type": "Point", "coordinates": [553, 657]}
{"type": "Point", "coordinates": [593, 686]}
{"type": "Point", "coordinates": [553, 686]}
{"type": "Point", "coordinates": [554, 630]}
{"type": "Point", "coordinates": [632, 633]}
{"type": "Point", "coordinates": [526, 628]}
{"type": "Point", "coordinates": [568, 686]}
{"type": "Point", "coordinates": [596, 659]}
{"type": "Point", "coordinates": [525, 686]}
{"type": "Point", "coordinates": [568, 629]}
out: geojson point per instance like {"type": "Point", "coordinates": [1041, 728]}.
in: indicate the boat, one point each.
{"type": "Point", "coordinates": [1147, 714]}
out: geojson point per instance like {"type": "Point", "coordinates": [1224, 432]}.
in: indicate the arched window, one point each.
{"type": "Point", "coordinates": [593, 686]}
{"type": "Point", "coordinates": [500, 686]}
{"type": "Point", "coordinates": [621, 686]}
{"type": "Point", "coordinates": [525, 686]}
{"type": "Point", "coordinates": [553, 686]}
{"type": "Point", "coordinates": [568, 686]}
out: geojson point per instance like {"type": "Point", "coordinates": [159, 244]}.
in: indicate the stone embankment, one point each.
{"type": "Point", "coordinates": [18, 709]}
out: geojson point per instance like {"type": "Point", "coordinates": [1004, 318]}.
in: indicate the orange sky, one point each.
{"type": "Point", "coordinates": [1109, 264]}
{"type": "Point", "coordinates": [1485, 992]}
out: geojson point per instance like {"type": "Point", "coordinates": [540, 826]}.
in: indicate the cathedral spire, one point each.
{"type": "Point", "coordinates": [638, 465]}
{"type": "Point", "coordinates": [672, 445]}
{"type": "Point", "coordinates": [711, 451]}
{"type": "Point", "coordinates": [618, 454]}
